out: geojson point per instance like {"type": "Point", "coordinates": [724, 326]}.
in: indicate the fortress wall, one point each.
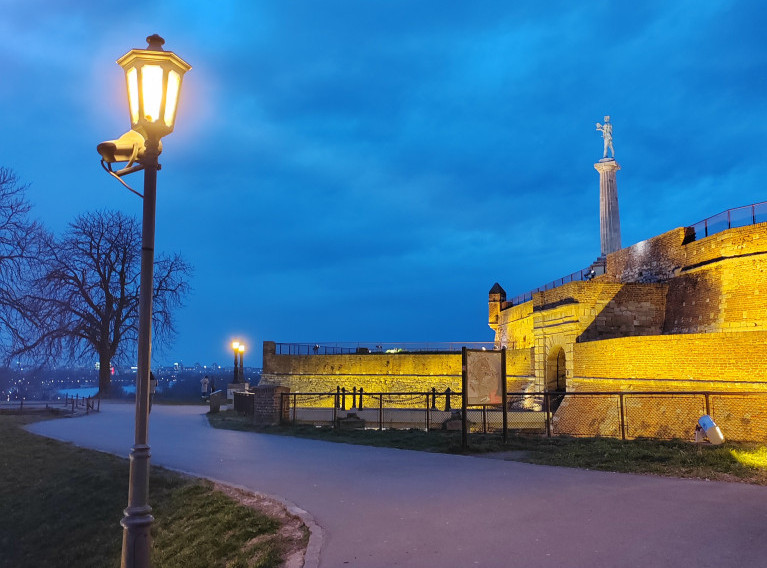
{"type": "Point", "coordinates": [635, 309]}
{"type": "Point", "coordinates": [515, 326]}
{"type": "Point", "coordinates": [711, 361]}
{"type": "Point", "coordinates": [732, 242]}
{"type": "Point", "coordinates": [381, 372]}
{"type": "Point", "coordinates": [722, 287]}
{"type": "Point", "coordinates": [653, 260]}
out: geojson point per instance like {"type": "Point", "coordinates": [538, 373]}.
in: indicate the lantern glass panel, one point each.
{"type": "Point", "coordinates": [171, 97]}
{"type": "Point", "coordinates": [132, 79]}
{"type": "Point", "coordinates": [151, 89]}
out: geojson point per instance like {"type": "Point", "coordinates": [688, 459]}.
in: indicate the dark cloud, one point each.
{"type": "Point", "coordinates": [366, 170]}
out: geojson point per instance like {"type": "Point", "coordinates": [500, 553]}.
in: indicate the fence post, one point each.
{"type": "Point", "coordinates": [708, 404]}
{"type": "Point", "coordinates": [360, 398]}
{"type": "Point", "coordinates": [464, 401]}
{"type": "Point", "coordinates": [335, 407]}
{"type": "Point", "coordinates": [623, 417]}
{"type": "Point", "coordinates": [547, 412]}
{"type": "Point", "coordinates": [753, 215]}
{"type": "Point", "coordinates": [294, 409]}
{"type": "Point", "coordinates": [504, 395]}
{"type": "Point", "coordinates": [380, 412]}
{"type": "Point", "coordinates": [21, 407]}
{"type": "Point", "coordinates": [354, 398]}
{"type": "Point", "coordinates": [447, 399]}
{"type": "Point", "coordinates": [343, 398]}
{"type": "Point", "coordinates": [428, 413]}
{"type": "Point", "coordinates": [433, 398]}
{"type": "Point", "coordinates": [484, 419]}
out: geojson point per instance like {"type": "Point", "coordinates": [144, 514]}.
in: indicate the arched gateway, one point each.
{"type": "Point", "coordinates": [556, 375]}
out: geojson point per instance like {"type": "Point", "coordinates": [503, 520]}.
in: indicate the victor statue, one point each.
{"type": "Point", "coordinates": [607, 134]}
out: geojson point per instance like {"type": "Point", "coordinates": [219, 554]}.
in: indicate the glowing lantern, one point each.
{"type": "Point", "coordinates": [153, 77]}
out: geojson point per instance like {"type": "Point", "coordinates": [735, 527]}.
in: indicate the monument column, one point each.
{"type": "Point", "coordinates": [609, 218]}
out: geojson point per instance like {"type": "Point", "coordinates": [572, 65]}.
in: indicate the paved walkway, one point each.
{"type": "Point", "coordinates": [381, 508]}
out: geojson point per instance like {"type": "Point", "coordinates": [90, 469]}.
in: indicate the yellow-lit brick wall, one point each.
{"type": "Point", "coordinates": [382, 372]}
{"type": "Point", "coordinates": [515, 327]}
{"type": "Point", "coordinates": [694, 362]}
{"type": "Point", "coordinates": [722, 284]}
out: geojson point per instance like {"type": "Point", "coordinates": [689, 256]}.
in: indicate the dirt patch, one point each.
{"type": "Point", "coordinates": [293, 532]}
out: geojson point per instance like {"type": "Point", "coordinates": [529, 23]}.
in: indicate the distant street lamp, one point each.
{"type": "Point", "coordinates": [241, 349]}
{"type": "Point", "coordinates": [235, 348]}
{"type": "Point", "coordinates": [153, 78]}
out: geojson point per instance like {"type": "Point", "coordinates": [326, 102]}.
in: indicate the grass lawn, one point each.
{"type": "Point", "coordinates": [61, 506]}
{"type": "Point", "coordinates": [674, 458]}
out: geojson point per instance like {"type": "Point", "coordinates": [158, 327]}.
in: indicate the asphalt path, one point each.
{"type": "Point", "coordinates": [381, 508]}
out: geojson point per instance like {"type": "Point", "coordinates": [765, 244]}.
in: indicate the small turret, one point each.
{"type": "Point", "coordinates": [496, 299]}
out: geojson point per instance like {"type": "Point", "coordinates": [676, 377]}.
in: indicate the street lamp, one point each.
{"type": "Point", "coordinates": [153, 79]}
{"type": "Point", "coordinates": [235, 348]}
{"type": "Point", "coordinates": [241, 349]}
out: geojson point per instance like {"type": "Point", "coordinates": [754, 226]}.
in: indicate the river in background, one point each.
{"type": "Point", "coordinates": [83, 392]}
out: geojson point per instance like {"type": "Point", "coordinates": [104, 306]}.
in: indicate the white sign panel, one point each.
{"type": "Point", "coordinates": [484, 377]}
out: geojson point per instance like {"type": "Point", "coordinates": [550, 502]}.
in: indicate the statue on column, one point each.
{"type": "Point", "coordinates": [607, 134]}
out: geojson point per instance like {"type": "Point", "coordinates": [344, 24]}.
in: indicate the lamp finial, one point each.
{"type": "Point", "coordinates": [155, 43]}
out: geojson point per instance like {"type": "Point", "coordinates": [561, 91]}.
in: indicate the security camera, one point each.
{"type": "Point", "coordinates": [127, 148]}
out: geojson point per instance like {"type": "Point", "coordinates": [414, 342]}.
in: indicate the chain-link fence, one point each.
{"type": "Point", "coordinates": [627, 415]}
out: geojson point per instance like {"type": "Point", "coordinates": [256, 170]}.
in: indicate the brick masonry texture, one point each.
{"type": "Point", "coordinates": [381, 372]}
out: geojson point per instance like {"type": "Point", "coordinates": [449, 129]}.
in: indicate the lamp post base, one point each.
{"type": "Point", "coordinates": [137, 523]}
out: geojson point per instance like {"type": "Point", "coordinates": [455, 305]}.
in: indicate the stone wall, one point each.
{"type": "Point", "coordinates": [382, 372]}
{"type": "Point", "coordinates": [268, 406]}
{"type": "Point", "coordinates": [654, 260]}
{"type": "Point", "coordinates": [692, 362]}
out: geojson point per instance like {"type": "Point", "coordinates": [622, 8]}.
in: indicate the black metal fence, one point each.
{"type": "Point", "coordinates": [578, 276]}
{"type": "Point", "coordinates": [736, 217]}
{"type": "Point", "coordinates": [627, 415]}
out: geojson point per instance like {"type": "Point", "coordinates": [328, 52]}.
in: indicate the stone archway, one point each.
{"type": "Point", "coordinates": [556, 375]}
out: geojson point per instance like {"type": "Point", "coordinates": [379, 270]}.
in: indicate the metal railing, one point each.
{"type": "Point", "coordinates": [376, 348]}
{"type": "Point", "coordinates": [71, 404]}
{"type": "Point", "coordinates": [742, 416]}
{"type": "Point", "coordinates": [736, 217]}
{"type": "Point", "coordinates": [579, 276]}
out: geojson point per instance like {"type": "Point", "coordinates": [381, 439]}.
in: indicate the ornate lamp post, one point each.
{"type": "Point", "coordinates": [235, 348]}
{"type": "Point", "coordinates": [153, 77]}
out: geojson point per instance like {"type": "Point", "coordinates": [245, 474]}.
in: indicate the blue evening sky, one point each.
{"type": "Point", "coordinates": [365, 170]}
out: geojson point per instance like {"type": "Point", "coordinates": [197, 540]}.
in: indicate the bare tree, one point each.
{"type": "Point", "coordinates": [85, 300]}
{"type": "Point", "coordinates": [20, 240]}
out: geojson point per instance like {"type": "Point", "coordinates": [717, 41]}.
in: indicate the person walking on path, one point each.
{"type": "Point", "coordinates": [204, 386]}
